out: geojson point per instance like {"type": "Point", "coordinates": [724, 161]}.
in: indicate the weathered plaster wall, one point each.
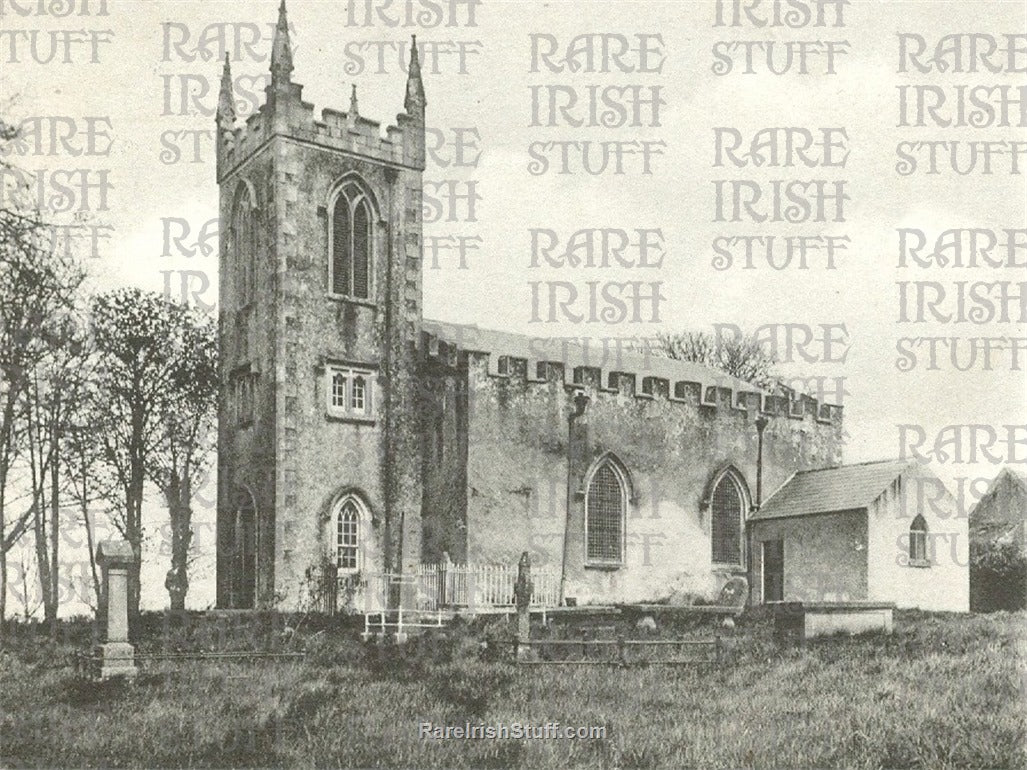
{"type": "Point", "coordinates": [518, 476]}
{"type": "Point", "coordinates": [945, 583]}
{"type": "Point", "coordinates": [825, 556]}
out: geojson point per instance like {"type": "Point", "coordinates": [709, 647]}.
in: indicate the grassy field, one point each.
{"type": "Point", "coordinates": [941, 692]}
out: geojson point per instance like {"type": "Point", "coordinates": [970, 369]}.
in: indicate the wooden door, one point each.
{"type": "Point", "coordinates": [773, 570]}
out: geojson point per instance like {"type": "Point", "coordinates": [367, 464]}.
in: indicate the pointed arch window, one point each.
{"type": "Point", "coordinates": [358, 396]}
{"type": "Point", "coordinates": [606, 502]}
{"type": "Point", "coordinates": [337, 398]}
{"type": "Point", "coordinates": [918, 541]}
{"type": "Point", "coordinates": [243, 235]}
{"type": "Point", "coordinates": [347, 536]}
{"type": "Point", "coordinates": [352, 232]}
{"type": "Point", "coordinates": [727, 515]}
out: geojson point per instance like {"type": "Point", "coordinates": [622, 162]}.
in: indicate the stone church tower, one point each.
{"type": "Point", "coordinates": [320, 323]}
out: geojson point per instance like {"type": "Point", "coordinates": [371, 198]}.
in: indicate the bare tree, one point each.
{"type": "Point", "coordinates": [743, 357]}
{"type": "Point", "coordinates": [54, 403]}
{"type": "Point", "coordinates": [81, 459]}
{"type": "Point", "coordinates": [37, 287]}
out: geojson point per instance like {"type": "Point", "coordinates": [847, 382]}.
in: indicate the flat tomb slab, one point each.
{"type": "Point", "coordinates": [690, 609]}
{"type": "Point", "coordinates": [828, 618]}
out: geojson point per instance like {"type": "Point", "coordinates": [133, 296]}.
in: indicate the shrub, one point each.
{"type": "Point", "coordinates": [998, 577]}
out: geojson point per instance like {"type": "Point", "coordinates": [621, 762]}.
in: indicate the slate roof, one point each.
{"type": "Point", "coordinates": [843, 488]}
{"type": "Point", "coordinates": [607, 355]}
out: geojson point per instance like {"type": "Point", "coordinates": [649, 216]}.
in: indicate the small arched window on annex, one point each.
{"type": "Point", "coordinates": [349, 527]}
{"type": "Point", "coordinates": [918, 541]}
{"type": "Point", "coordinates": [351, 238]}
{"type": "Point", "coordinates": [728, 500]}
{"type": "Point", "coordinates": [242, 235]}
{"type": "Point", "coordinates": [607, 494]}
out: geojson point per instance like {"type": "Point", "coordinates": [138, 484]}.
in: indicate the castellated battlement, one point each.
{"type": "Point", "coordinates": [338, 130]}
{"type": "Point", "coordinates": [613, 366]}
{"type": "Point", "coordinates": [284, 113]}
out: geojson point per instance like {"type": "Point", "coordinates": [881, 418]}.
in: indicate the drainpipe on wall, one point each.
{"type": "Point", "coordinates": [580, 404]}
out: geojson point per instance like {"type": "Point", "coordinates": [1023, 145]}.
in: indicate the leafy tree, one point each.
{"type": "Point", "coordinates": [156, 383]}
{"type": "Point", "coordinates": [743, 357]}
{"type": "Point", "coordinates": [185, 457]}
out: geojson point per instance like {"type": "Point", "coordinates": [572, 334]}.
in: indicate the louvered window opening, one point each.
{"type": "Point", "coordinates": [351, 247]}
{"type": "Point", "coordinates": [244, 238]}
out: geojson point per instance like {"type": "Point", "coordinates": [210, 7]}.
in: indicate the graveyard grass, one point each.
{"type": "Point", "coordinates": [944, 691]}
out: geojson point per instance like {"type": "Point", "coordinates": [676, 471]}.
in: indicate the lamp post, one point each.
{"type": "Point", "coordinates": [761, 424]}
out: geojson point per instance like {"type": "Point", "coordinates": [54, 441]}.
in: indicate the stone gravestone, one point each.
{"type": "Point", "coordinates": [522, 596]}
{"type": "Point", "coordinates": [734, 593]}
{"type": "Point", "coordinates": [116, 655]}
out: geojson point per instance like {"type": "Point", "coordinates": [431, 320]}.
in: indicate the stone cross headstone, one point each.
{"type": "Point", "coordinates": [522, 596]}
{"type": "Point", "coordinates": [116, 655]}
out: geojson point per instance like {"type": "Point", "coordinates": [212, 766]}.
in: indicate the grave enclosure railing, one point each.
{"type": "Point", "coordinates": [472, 588]}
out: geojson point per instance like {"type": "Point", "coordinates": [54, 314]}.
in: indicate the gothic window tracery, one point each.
{"type": "Point", "coordinates": [727, 506]}
{"type": "Point", "coordinates": [606, 500]}
{"type": "Point", "coordinates": [347, 536]}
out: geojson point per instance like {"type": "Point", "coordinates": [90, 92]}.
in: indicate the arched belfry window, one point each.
{"type": "Point", "coordinates": [606, 503]}
{"type": "Point", "coordinates": [918, 540]}
{"type": "Point", "coordinates": [349, 523]}
{"type": "Point", "coordinates": [351, 243]}
{"type": "Point", "coordinates": [727, 518]}
{"type": "Point", "coordinates": [243, 235]}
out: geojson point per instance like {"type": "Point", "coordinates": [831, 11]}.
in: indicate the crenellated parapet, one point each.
{"type": "Point", "coordinates": [612, 366]}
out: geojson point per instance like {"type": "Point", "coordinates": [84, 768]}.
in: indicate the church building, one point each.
{"type": "Point", "coordinates": [357, 436]}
